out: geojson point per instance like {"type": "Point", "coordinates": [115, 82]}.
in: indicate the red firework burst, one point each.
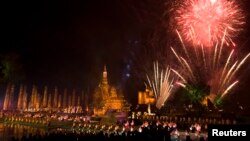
{"type": "Point", "coordinates": [204, 22]}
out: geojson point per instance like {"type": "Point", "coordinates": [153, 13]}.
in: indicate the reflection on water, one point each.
{"type": "Point", "coordinates": [7, 131]}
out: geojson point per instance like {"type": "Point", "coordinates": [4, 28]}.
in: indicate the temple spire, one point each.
{"type": "Point", "coordinates": [105, 68]}
{"type": "Point", "coordinates": [105, 76]}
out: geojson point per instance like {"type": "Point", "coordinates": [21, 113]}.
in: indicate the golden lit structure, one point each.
{"type": "Point", "coordinates": [9, 97]}
{"type": "Point", "coordinates": [45, 97]}
{"type": "Point", "coordinates": [55, 103]}
{"type": "Point", "coordinates": [22, 99]}
{"type": "Point", "coordinates": [34, 103]}
{"type": "Point", "coordinates": [74, 98]}
{"type": "Point", "coordinates": [43, 101]}
{"type": "Point", "coordinates": [146, 97]}
{"type": "Point", "coordinates": [107, 98]}
{"type": "Point", "coordinates": [65, 98]}
{"type": "Point", "coordinates": [49, 101]}
{"type": "Point", "coordinates": [25, 96]}
{"type": "Point", "coordinates": [59, 101]}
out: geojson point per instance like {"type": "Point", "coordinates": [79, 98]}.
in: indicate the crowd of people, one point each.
{"type": "Point", "coordinates": [162, 128]}
{"type": "Point", "coordinates": [148, 131]}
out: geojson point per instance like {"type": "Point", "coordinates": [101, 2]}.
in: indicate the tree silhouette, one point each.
{"type": "Point", "coordinates": [11, 68]}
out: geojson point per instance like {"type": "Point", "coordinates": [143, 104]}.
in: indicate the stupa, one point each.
{"type": "Point", "coordinates": [107, 98]}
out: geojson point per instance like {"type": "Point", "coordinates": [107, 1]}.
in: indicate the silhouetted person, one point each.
{"type": "Point", "coordinates": [188, 138]}
{"type": "Point", "coordinates": [202, 139]}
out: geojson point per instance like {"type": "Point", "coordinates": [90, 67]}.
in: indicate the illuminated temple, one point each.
{"type": "Point", "coordinates": [146, 97]}
{"type": "Point", "coordinates": [107, 98]}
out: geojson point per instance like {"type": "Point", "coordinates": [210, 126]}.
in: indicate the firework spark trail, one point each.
{"type": "Point", "coordinates": [150, 85]}
{"type": "Point", "coordinates": [241, 63]}
{"type": "Point", "coordinates": [222, 42]}
{"type": "Point", "coordinates": [215, 54]}
{"type": "Point", "coordinates": [182, 78]}
{"type": "Point", "coordinates": [161, 83]}
{"type": "Point", "coordinates": [195, 50]}
{"type": "Point", "coordinates": [217, 71]}
{"type": "Point", "coordinates": [203, 22]}
{"type": "Point", "coordinates": [233, 70]}
{"type": "Point", "coordinates": [183, 62]}
{"type": "Point", "coordinates": [188, 67]}
{"type": "Point", "coordinates": [177, 56]}
{"type": "Point", "coordinates": [156, 77]}
{"type": "Point", "coordinates": [155, 91]}
{"type": "Point", "coordinates": [228, 60]}
{"type": "Point", "coordinates": [227, 75]}
{"type": "Point", "coordinates": [204, 58]}
{"type": "Point", "coordinates": [165, 89]}
{"type": "Point", "coordinates": [238, 67]}
{"type": "Point", "coordinates": [181, 84]}
{"type": "Point", "coordinates": [183, 45]}
{"type": "Point", "coordinates": [229, 88]}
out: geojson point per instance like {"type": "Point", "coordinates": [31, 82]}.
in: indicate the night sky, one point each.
{"type": "Point", "coordinates": [66, 44]}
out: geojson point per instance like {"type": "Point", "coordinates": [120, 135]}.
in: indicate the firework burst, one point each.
{"type": "Point", "coordinates": [162, 83]}
{"type": "Point", "coordinates": [203, 22]}
{"type": "Point", "coordinates": [215, 67]}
